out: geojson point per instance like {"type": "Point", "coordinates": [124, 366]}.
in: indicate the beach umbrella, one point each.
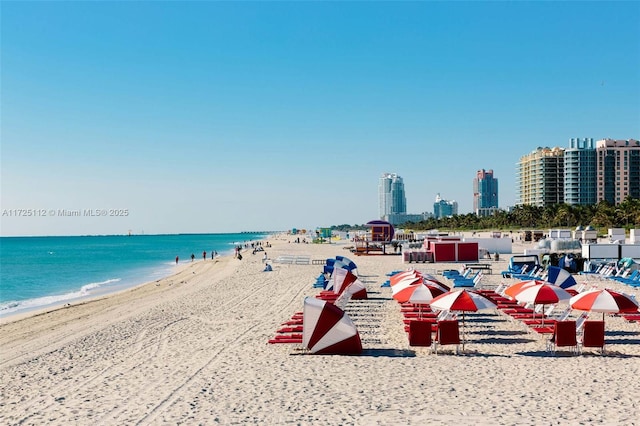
{"type": "Point", "coordinates": [542, 294]}
{"type": "Point", "coordinates": [399, 285]}
{"type": "Point", "coordinates": [431, 280]}
{"type": "Point", "coordinates": [350, 264]}
{"type": "Point", "coordinates": [516, 288]}
{"type": "Point", "coordinates": [560, 277]}
{"type": "Point", "coordinates": [343, 281]}
{"type": "Point", "coordinates": [327, 329]}
{"type": "Point", "coordinates": [603, 300]}
{"type": "Point", "coordinates": [412, 273]}
{"type": "Point", "coordinates": [462, 300]}
{"type": "Point", "coordinates": [355, 290]}
{"type": "Point", "coordinates": [332, 264]}
{"type": "Point", "coordinates": [419, 294]}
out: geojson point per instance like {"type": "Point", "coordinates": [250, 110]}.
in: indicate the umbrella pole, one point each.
{"type": "Point", "coordinates": [464, 329]}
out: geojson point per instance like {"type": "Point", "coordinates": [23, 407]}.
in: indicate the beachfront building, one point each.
{"type": "Point", "coordinates": [540, 177]}
{"type": "Point", "coordinates": [444, 208]}
{"type": "Point", "coordinates": [618, 170]}
{"type": "Point", "coordinates": [485, 193]}
{"type": "Point", "coordinates": [580, 172]}
{"type": "Point", "coordinates": [402, 218]}
{"type": "Point", "coordinates": [392, 201]}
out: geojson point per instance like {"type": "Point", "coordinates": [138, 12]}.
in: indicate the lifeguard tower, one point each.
{"type": "Point", "coordinates": [377, 238]}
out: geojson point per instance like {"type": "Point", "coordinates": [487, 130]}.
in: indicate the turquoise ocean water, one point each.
{"type": "Point", "coordinates": [37, 272]}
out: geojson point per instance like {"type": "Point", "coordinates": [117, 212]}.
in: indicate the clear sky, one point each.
{"type": "Point", "coordinates": [243, 116]}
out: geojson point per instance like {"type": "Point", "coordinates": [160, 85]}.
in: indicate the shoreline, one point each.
{"type": "Point", "coordinates": [193, 349]}
{"type": "Point", "coordinates": [139, 276]}
{"type": "Point", "coordinates": [81, 300]}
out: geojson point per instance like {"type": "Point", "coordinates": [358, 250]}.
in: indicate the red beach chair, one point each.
{"type": "Point", "coordinates": [448, 333]}
{"type": "Point", "coordinates": [419, 333]}
{"type": "Point", "coordinates": [593, 335]}
{"type": "Point", "coordinates": [564, 335]}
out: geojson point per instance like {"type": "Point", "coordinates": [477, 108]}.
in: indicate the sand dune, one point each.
{"type": "Point", "coordinates": [192, 349]}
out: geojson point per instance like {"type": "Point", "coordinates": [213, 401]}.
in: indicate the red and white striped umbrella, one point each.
{"type": "Point", "coordinates": [404, 283]}
{"type": "Point", "coordinates": [417, 293]}
{"type": "Point", "coordinates": [542, 294]}
{"type": "Point", "coordinates": [516, 288]}
{"type": "Point", "coordinates": [462, 300]}
{"type": "Point", "coordinates": [603, 300]}
{"type": "Point", "coordinates": [430, 280]}
{"type": "Point", "coordinates": [394, 279]}
{"type": "Point", "coordinates": [327, 329]}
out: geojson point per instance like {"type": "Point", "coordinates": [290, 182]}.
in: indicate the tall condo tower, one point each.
{"type": "Point", "coordinates": [391, 197]}
{"type": "Point", "coordinates": [540, 177]}
{"type": "Point", "coordinates": [444, 208]}
{"type": "Point", "coordinates": [485, 193]}
{"type": "Point", "coordinates": [618, 170]}
{"type": "Point", "coordinates": [580, 172]}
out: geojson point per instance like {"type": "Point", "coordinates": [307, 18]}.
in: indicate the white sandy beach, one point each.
{"type": "Point", "coordinates": [192, 349]}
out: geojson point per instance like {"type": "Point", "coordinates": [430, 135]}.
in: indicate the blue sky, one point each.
{"type": "Point", "coordinates": [234, 116]}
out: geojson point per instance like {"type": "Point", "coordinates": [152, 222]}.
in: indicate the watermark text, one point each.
{"type": "Point", "coordinates": [99, 212]}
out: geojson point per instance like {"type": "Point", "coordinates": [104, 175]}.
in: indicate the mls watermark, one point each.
{"type": "Point", "coordinates": [65, 212]}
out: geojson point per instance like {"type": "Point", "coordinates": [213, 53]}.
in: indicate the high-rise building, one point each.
{"type": "Point", "coordinates": [540, 177]}
{"type": "Point", "coordinates": [580, 172]}
{"type": "Point", "coordinates": [618, 170]}
{"type": "Point", "coordinates": [485, 193]}
{"type": "Point", "coordinates": [444, 208]}
{"type": "Point", "coordinates": [391, 197]}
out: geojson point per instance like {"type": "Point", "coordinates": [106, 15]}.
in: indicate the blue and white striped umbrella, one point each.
{"type": "Point", "coordinates": [560, 277]}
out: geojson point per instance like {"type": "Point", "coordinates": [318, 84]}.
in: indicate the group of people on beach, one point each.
{"type": "Point", "coordinates": [256, 246]}
{"type": "Point", "coordinates": [214, 254]}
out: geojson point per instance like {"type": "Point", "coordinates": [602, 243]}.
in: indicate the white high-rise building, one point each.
{"type": "Point", "coordinates": [391, 198]}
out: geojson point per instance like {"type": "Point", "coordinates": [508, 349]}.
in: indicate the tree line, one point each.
{"type": "Point", "coordinates": [601, 216]}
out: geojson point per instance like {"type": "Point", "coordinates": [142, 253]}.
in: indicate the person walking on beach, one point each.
{"type": "Point", "coordinates": [204, 255]}
{"type": "Point", "coordinates": [212, 254]}
{"type": "Point", "coordinates": [177, 258]}
{"type": "Point", "coordinates": [264, 257]}
{"type": "Point", "coordinates": [193, 256]}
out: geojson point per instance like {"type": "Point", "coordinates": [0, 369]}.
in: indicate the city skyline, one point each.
{"type": "Point", "coordinates": [225, 117]}
{"type": "Point", "coordinates": [582, 174]}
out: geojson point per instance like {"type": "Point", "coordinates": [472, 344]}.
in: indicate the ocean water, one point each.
{"type": "Point", "coordinates": [36, 272]}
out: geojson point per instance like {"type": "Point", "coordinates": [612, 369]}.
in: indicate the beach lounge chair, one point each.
{"type": "Point", "coordinates": [563, 316]}
{"type": "Point", "coordinates": [420, 333]}
{"type": "Point", "coordinates": [581, 320]}
{"type": "Point", "coordinates": [448, 333]}
{"type": "Point", "coordinates": [454, 273]}
{"type": "Point", "coordinates": [564, 335]}
{"type": "Point", "coordinates": [468, 282]}
{"type": "Point", "coordinates": [592, 335]}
